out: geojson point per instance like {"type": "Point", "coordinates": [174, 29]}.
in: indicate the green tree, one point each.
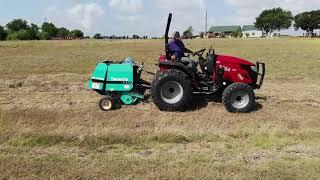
{"type": "Point", "coordinates": [24, 34]}
{"type": "Point", "coordinates": [97, 36]}
{"type": "Point", "coordinates": [308, 21]}
{"type": "Point", "coordinates": [237, 33]}
{"type": "Point", "coordinates": [273, 19]}
{"type": "Point", "coordinates": [63, 32]}
{"type": "Point", "coordinates": [76, 33]}
{"type": "Point", "coordinates": [44, 36]}
{"type": "Point", "coordinates": [12, 36]}
{"type": "Point", "coordinates": [17, 25]}
{"type": "Point", "coordinates": [3, 33]}
{"type": "Point", "coordinates": [20, 35]}
{"type": "Point", "coordinates": [188, 33]}
{"type": "Point", "coordinates": [49, 28]}
{"type": "Point", "coordinates": [28, 33]}
{"type": "Point", "coordinates": [33, 30]}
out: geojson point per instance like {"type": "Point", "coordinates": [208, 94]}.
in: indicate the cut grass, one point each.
{"type": "Point", "coordinates": [45, 140]}
{"type": "Point", "coordinates": [162, 166]}
{"type": "Point", "coordinates": [50, 125]}
{"type": "Point", "coordinates": [285, 58]}
{"type": "Point", "coordinates": [268, 141]}
{"type": "Point", "coordinates": [1, 120]}
{"type": "Point", "coordinates": [134, 140]}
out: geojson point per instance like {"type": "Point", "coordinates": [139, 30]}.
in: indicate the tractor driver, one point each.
{"type": "Point", "coordinates": [177, 50]}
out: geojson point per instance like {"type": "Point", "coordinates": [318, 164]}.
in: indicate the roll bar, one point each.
{"type": "Point", "coordinates": [167, 36]}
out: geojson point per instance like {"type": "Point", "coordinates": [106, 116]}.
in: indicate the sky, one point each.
{"type": "Point", "coordinates": [144, 17]}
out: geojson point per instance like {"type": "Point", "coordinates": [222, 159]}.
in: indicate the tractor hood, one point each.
{"type": "Point", "coordinates": [233, 60]}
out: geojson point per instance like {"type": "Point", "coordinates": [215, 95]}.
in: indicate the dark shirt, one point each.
{"type": "Point", "coordinates": [177, 48]}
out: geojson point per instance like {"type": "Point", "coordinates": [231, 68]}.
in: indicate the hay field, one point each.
{"type": "Point", "coordinates": [50, 125]}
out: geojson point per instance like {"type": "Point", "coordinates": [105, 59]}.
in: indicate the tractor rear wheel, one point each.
{"type": "Point", "coordinates": [171, 90]}
{"type": "Point", "coordinates": [238, 97]}
{"type": "Point", "coordinates": [106, 103]}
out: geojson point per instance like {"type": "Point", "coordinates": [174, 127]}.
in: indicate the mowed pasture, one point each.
{"type": "Point", "coordinates": [50, 125]}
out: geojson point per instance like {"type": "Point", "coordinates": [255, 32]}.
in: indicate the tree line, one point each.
{"type": "Point", "coordinates": [19, 29]}
{"type": "Point", "coordinates": [274, 19]}
{"type": "Point", "coordinates": [99, 36]}
{"type": "Point", "coordinates": [268, 21]}
{"type": "Point", "coordinates": [277, 19]}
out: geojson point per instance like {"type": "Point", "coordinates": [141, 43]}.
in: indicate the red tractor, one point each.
{"type": "Point", "coordinates": [233, 78]}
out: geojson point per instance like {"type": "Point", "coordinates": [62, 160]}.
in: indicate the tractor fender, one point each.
{"type": "Point", "coordinates": [177, 65]}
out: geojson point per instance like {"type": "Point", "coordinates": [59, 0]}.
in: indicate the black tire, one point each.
{"type": "Point", "coordinates": [171, 90]}
{"type": "Point", "coordinates": [238, 98]}
{"type": "Point", "coordinates": [106, 107]}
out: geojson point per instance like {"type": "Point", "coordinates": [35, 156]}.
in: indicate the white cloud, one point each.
{"type": "Point", "coordinates": [185, 13]}
{"type": "Point", "coordinates": [133, 18]}
{"type": "Point", "coordinates": [84, 14]}
{"type": "Point", "coordinates": [246, 11]}
{"type": "Point", "coordinates": [127, 6]}
{"type": "Point", "coordinates": [127, 12]}
{"type": "Point", "coordinates": [142, 17]}
{"type": "Point", "coordinates": [130, 18]}
{"type": "Point", "coordinates": [80, 16]}
{"type": "Point", "coordinates": [181, 6]}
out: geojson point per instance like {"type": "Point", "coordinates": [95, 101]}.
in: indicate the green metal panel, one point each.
{"type": "Point", "coordinates": [119, 77]}
{"type": "Point", "coordinates": [100, 72]}
{"type": "Point", "coordinates": [127, 99]}
{"type": "Point", "coordinates": [98, 76]}
{"type": "Point", "coordinates": [130, 97]}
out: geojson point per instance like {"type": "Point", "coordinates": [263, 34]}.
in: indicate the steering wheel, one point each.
{"type": "Point", "coordinates": [211, 50]}
{"type": "Point", "coordinates": [200, 52]}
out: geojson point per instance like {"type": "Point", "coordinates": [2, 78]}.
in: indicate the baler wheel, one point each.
{"type": "Point", "coordinates": [106, 103]}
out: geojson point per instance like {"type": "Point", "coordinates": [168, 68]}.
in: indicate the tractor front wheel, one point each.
{"type": "Point", "coordinates": [106, 103]}
{"type": "Point", "coordinates": [171, 90]}
{"type": "Point", "coordinates": [238, 97]}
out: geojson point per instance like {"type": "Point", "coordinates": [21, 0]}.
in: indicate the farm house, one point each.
{"type": "Point", "coordinates": [250, 31]}
{"type": "Point", "coordinates": [222, 31]}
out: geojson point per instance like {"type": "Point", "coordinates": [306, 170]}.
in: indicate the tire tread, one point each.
{"type": "Point", "coordinates": [155, 94]}
{"type": "Point", "coordinates": [235, 87]}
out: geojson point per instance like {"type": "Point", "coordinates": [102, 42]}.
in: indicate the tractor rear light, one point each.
{"type": "Point", "coordinates": [254, 68]}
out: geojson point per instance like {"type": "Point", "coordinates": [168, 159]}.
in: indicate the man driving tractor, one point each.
{"type": "Point", "coordinates": [177, 50]}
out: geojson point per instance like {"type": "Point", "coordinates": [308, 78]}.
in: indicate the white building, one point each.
{"type": "Point", "coordinates": [249, 31]}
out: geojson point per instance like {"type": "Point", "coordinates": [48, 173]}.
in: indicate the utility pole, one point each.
{"type": "Point", "coordinates": [206, 25]}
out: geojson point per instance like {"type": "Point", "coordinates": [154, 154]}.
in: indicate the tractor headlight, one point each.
{"type": "Point", "coordinates": [254, 68]}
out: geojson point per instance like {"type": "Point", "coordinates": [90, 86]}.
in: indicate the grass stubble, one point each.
{"type": "Point", "coordinates": [50, 125]}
